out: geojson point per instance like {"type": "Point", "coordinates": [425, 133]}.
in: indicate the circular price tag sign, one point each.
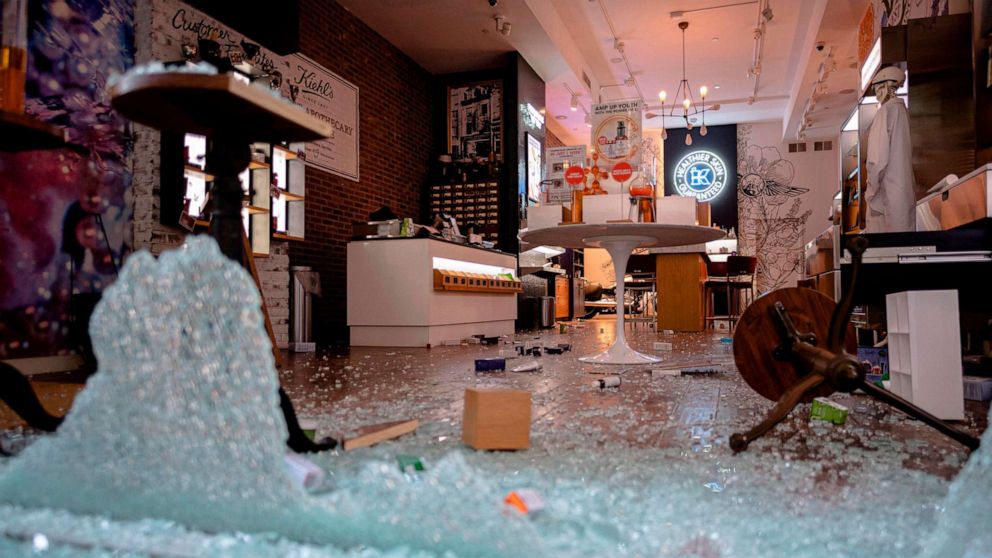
{"type": "Point", "coordinates": [621, 171]}
{"type": "Point", "coordinates": [574, 175]}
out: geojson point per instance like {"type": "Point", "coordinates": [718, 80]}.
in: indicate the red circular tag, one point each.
{"type": "Point", "coordinates": [621, 171]}
{"type": "Point", "coordinates": [574, 175]}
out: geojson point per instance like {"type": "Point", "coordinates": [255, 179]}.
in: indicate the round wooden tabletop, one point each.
{"type": "Point", "coordinates": [650, 235]}
{"type": "Point", "coordinates": [207, 104]}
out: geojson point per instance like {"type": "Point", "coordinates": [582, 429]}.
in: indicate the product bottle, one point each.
{"type": "Point", "coordinates": [13, 55]}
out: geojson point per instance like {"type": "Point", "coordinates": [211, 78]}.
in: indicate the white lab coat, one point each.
{"type": "Point", "coordinates": [890, 193]}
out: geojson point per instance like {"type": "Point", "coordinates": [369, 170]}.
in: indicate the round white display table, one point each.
{"type": "Point", "coordinates": [620, 240]}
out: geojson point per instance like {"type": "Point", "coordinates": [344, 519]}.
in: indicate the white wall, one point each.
{"type": "Point", "coordinates": [783, 200]}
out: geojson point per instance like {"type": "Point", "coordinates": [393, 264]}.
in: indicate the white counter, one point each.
{"type": "Point", "coordinates": [392, 301]}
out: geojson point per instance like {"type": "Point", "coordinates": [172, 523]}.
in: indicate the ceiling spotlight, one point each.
{"type": "Point", "coordinates": [574, 105]}
{"type": "Point", "coordinates": [716, 86]}
{"type": "Point", "coordinates": [767, 13]}
{"type": "Point", "coordinates": [618, 44]}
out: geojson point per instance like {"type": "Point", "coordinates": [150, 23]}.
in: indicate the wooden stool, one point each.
{"type": "Point", "coordinates": [740, 285]}
{"type": "Point", "coordinates": [716, 281]}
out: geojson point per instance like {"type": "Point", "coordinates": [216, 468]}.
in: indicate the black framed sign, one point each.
{"type": "Point", "coordinates": [475, 120]}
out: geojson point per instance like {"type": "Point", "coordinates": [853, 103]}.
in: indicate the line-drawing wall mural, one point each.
{"type": "Point", "coordinates": [770, 212]}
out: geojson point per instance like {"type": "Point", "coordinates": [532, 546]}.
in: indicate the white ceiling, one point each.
{"type": "Point", "coordinates": [564, 39]}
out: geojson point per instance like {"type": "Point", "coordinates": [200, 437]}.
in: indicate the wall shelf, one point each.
{"type": "Point", "coordinates": [284, 236]}
{"type": "Point", "coordinates": [198, 172]}
{"type": "Point", "coordinates": [22, 132]}
{"type": "Point", "coordinates": [289, 153]}
{"type": "Point", "coordinates": [290, 196]}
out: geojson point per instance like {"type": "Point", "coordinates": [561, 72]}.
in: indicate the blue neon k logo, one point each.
{"type": "Point", "coordinates": [700, 176]}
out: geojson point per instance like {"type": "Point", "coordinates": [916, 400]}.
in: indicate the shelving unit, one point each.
{"type": "Point", "coordinates": [470, 202]}
{"type": "Point", "coordinates": [21, 132]}
{"type": "Point", "coordinates": [233, 115]}
{"type": "Point", "coordinates": [288, 209]}
{"type": "Point", "coordinates": [925, 351]}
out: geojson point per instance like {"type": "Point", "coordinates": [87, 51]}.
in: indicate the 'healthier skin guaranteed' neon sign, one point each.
{"type": "Point", "coordinates": [700, 174]}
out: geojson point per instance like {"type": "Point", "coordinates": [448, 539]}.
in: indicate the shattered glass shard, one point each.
{"type": "Point", "coordinates": [182, 422]}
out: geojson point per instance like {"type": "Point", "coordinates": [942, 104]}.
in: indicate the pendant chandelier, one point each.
{"type": "Point", "coordinates": [689, 106]}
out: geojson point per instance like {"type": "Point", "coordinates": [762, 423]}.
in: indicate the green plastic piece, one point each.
{"type": "Point", "coordinates": [407, 462]}
{"type": "Point", "coordinates": [826, 410]}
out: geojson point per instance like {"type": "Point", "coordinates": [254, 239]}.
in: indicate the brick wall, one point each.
{"type": "Point", "coordinates": [395, 147]}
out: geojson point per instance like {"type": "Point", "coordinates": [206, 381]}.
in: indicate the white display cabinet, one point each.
{"type": "Point", "coordinates": [394, 301]}
{"type": "Point", "coordinates": [925, 351]}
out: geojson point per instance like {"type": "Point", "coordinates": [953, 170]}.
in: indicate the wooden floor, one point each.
{"type": "Point", "coordinates": [346, 388]}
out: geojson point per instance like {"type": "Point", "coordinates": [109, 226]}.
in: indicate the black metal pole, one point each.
{"type": "Point", "coordinates": [228, 156]}
{"type": "Point", "coordinates": [968, 440]}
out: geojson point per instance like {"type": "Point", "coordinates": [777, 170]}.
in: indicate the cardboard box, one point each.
{"type": "Point", "coordinates": [821, 262]}
{"type": "Point", "coordinates": [496, 419]}
{"type": "Point", "coordinates": [875, 362]}
{"type": "Point", "coordinates": [543, 216]}
{"type": "Point", "coordinates": [826, 283]}
{"type": "Point", "coordinates": [826, 410]}
{"type": "Point", "coordinates": [677, 210]}
{"type": "Point", "coordinates": [603, 208]}
{"type": "Point", "coordinates": [704, 216]}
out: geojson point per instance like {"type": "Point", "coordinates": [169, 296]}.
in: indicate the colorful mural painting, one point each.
{"type": "Point", "coordinates": [64, 216]}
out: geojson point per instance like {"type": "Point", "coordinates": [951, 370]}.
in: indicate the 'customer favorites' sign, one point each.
{"type": "Point", "coordinates": [326, 96]}
{"type": "Point", "coordinates": [321, 93]}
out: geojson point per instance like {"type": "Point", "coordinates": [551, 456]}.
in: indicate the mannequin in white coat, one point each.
{"type": "Point", "coordinates": [890, 189]}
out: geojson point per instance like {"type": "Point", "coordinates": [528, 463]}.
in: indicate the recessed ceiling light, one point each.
{"type": "Point", "coordinates": [715, 39]}
{"type": "Point", "coordinates": [716, 86]}
{"type": "Point", "coordinates": [846, 91]}
{"type": "Point", "coordinates": [616, 60]}
{"type": "Point", "coordinates": [560, 117]}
